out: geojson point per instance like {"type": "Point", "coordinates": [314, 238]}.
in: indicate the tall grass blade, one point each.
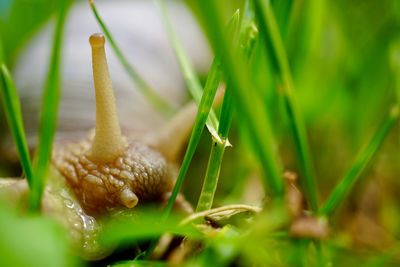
{"type": "Point", "coordinates": [270, 28]}
{"type": "Point", "coordinates": [282, 10]}
{"type": "Point", "coordinates": [12, 108]}
{"type": "Point", "coordinates": [1, 50]}
{"type": "Point", "coordinates": [50, 103]}
{"type": "Point", "coordinates": [395, 66]}
{"type": "Point", "coordinates": [192, 81]}
{"type": "Point", "coordinates": [210, 89]}
{"type": "Point", "coordinates": [156, 100]}
{"type": "Point", "coordinates": [252, 116]}
{"type": "Point", "coordinates": [213, 80]}
{"type": "Point", "coordinates": [342, 189]}
{"type": "Point", "coordinates": [248, 36]}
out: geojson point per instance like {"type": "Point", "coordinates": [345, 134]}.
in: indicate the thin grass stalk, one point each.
{"type": "Point", "coordinates": [147, 91]}
{"type": "Point", "coordinates": [217, 152]}
{"type": "Point", "coordinates": [213, 80]}
{"type": "Point", "coordinates": [268, 24]}
{"type": "Point", "coordinates": [210, 89]}
{"type": "Point", "coordinates": [12, 108]}
{"type": "Point", "coordinates": [252, 115]}
{"type": "Point", "coordinates": [50, 103]}
{"type": "Point", "coordinates": [342, 189]}
{"type": "Point", "coordinates": [191, 79]}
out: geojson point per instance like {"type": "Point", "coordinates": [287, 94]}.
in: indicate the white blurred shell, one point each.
{"type": "Point", "coordinates": [138, 30]}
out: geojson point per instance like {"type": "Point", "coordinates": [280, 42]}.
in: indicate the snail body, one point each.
{"type": "Point", "coordinates": [110, 170]}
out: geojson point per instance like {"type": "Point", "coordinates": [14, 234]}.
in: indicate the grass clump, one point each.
{"type": "Point", "coordinates": [304, 89]}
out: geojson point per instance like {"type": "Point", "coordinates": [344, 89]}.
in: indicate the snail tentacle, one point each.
{"type": "Point", "coordinates": [108, 142]}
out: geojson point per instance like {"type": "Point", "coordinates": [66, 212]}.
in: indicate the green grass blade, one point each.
{"type": "Point", "coordinates": [395, 66]}
{"type": "Point", "coordinates": [282, 10]}
{"type": "Point", "coordinates": [1, 50]}
{"type": "Point", "coordinates": [50, 103]}
{"type": "Point", "coordinates": [217, 152]}
{"type": "Point", "coordinates": [213, 80]}
{"type": "Point", "coordinates": [192, 81]}
{"type": "Point", "coordinates": [226, 114]}
{"type": "Point", "coordinates": [157, 101]}
{"type": "Point", "coordinates": [270, 28]}
{"type": "Point", "coordinates": [12, 108]}
{"type": "Point", "coordinates": [144, 225]}
{"type": "Point", "coordinates": [342, 189]}
{"type": "Point", "coordinates": [139, 263]}
{"type": "Point", "coordinates": [247, 41]}
{"type": "Point", "coordinates": [210, 90]}
{"type": "Point", "coordinates": [249, 31]}
{"type": "Point", "coordinates": [252, 116]}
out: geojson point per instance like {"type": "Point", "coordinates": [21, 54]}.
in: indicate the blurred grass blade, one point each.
{"type": "Point", "coordinates": [192, 81]}
{"type": "Point", "coordinates": [252, 115]}
{"type": "Point", "coordinates": [29, 240]}
{"type": "Point", "coordinates": [342, 189]}
{"type": "Point", "coordinates": [143, 225]}
{"type": "Point", "coordinates": [248, 30]}
{"type": "Point", "coordinates": [156, 100]}
{"type": "Point", "coordinates": [1, 50]}
{"type": "Point", "coordinates": [50, 103]}
{"type": "Point", "coordinates": [213, 80]}
{"type": "Point", "coordinates": [139, 263]}
{"type": "Point", "coordinates": [270, 28]}
{"type": "Point", "coordinates": [282, 10]}
{"type": "Point", "coordinates": [248, 37]}
{"type": "Point", "coordinates": [394, 58]}
{"type": "Point", "coordinates": [210, 90]}
{"type": "Point", "coordinates": [12, 108]}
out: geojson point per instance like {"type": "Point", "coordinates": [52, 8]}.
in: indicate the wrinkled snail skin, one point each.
{"type": "Point", "coordinates": [110, 171]}
{"type": "Point", "coordinates": [137, 28]}
{"type": "Point", "coordinates": [81, 186]}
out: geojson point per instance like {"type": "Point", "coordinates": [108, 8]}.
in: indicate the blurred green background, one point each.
{"type": "Point", "coordinates": [345, 61]}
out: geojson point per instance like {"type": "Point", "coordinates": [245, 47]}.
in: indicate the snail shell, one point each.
{"type": "Point", "coordinates": [138, 30]}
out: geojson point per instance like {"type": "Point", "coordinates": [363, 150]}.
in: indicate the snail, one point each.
{"type": "Point", "coordinates": [110, 170]}
{"type": "Point", "coordinates": [118, 166]}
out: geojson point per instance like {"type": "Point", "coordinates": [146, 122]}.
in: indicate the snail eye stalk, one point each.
{"type": "Point", "coordinates": [108, 142]}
